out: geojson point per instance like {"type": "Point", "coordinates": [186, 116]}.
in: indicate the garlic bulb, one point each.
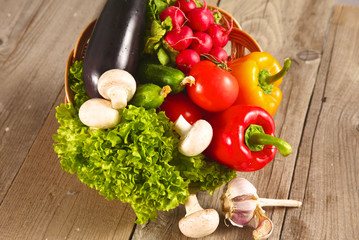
{"type": "Point", "coordinates": [242, 206]}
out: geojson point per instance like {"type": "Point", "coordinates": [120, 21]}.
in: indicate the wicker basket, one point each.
{"type": "Point", "coordinates": [240, 41]}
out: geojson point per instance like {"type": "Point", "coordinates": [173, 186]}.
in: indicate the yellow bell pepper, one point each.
{"type": "Point", "coordinates": [259, 75]}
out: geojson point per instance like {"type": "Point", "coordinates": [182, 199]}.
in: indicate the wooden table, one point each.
{"type": "Point", "coordinates": [319, 116]}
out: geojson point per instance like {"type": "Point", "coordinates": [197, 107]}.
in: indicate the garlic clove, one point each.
{"type": "Point", "coordinates": [238, 187]}
{"type": "Point", "coordinates": [242, 212]}
{"type": "Point", "coordinates": [262, 224]}
{"type": "Point", "coordinates": [242, 206]}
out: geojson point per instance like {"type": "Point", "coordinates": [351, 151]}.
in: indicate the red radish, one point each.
{"type": "Point", "coordinates": [199, 19]}
{"type": "Point", "coordinates": [219, 54]}
{"type": "Point", "coordinates": [175, 14]}
{"type": "Point", "coordinates": [219, 34]}
{"type": "Point", "coordinates": [186, 59]}
{"type": "Point", "coordinates": [186, 5]}
{"type": "Point", "coordinates": [179, 39]}
{"type": "Point", "coordinates": [202, 43]}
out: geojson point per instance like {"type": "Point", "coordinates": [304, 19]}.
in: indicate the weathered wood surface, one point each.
{"type": "Point", "coordinates": [327, 173]}
{"type": "Point", "coordinates": [37, 37]}
{"type": "Point", "coordinates": [318, 116]}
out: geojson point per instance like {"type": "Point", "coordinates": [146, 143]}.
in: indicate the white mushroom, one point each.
{"type": "Point", "coordinates": [194, 138]}
{"type": "Point", "coordinates": [198, 222]}
{"type": "Point", "coordinates": [117, 85]}
{"type": "Point", "coordinates": [98, 113]}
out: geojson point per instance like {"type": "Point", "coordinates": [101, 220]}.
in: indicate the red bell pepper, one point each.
{"type": "Point", "coordinates": [243, 138]}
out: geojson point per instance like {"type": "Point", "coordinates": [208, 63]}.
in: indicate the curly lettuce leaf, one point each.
{"type": "Point", "coordinates": [76, 84]}
{"type": "Point", "coordinates": [204, 174]}
{"type": "Point", "coordinates": [129, 162]}
{"type": "Point", "coordinates": [136, 162]}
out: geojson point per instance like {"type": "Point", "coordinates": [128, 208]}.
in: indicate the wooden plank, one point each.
{"type": "Point", "coordinates": [326, 173]}
{"type": "Point", "coordinates": [285, 29]}
{"type": "Point", "coordinates": [14, 18]}
{"type": "Point", "coordinates": [45, 202]}
{"type": "Point", "coordinates": [32, 75]}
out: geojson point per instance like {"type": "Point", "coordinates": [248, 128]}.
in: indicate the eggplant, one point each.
{"type": "Point", "coordinates": [115, 41]}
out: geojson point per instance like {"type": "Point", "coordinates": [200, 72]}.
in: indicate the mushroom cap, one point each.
{"type": "Point", "coordinates": [98, 113]}
{"type": "Point", "coordinates": [199, 224]}
{"type": "Point", "coordinates": [197, 139]}
{"type": "Point", "coordinates": [114, 82]}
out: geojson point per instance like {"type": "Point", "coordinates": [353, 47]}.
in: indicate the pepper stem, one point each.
{"type": "Point", "coordinates": [257, 138]}
{"type": "Point", "coordinates": [281, 73]}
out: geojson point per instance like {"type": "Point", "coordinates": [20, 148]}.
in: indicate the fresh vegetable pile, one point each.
{"type": "Point", "coordinates": [136, 161]}
{"type": "Point", "coordinates": [153, 124]}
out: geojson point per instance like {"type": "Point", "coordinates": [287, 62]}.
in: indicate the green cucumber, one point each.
{"type": "Point", "coordinates": [162, 76]}
{"type": "Point", "coordinates": [149, 96]}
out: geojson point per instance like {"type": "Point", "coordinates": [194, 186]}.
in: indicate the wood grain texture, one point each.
{"type": "Point", "coordinates": [14, 19]}
{"type": "Point", "coordinates": [287, 29]}
{"type": "Point", "coordinates": [32, 75]}
{"type": "Point", "coordinates": [45, 202]}
{"type": "Point", "coordinates": [318, 116]}
{"type": "Point", "coordinates": [327, 174]}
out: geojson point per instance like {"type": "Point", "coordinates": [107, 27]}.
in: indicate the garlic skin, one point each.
{"type": "Point", "coordinates": [263, 226]}
{"type": "Point", "coordinates": [238, 187]}
{"type": "Point", "coordinates": [239, 211]}
{"type": "Point", "coordinates": [242, 206]}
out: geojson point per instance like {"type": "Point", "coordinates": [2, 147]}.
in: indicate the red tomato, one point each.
{"type": "Point", "coordinates": [178, 104]}
{"type": "Point", "coordinates": [215, 89]}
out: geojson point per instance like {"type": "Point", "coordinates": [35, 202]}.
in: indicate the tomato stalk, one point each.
{"type": "Point", "coordinates": [219, 63]}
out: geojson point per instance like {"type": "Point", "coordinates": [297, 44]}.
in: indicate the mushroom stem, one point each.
{"type": "Point", "coordinates": [118, 86]}
{"type": "Point", "coordinates": [118, 97]}
{"type": "Point", "coordinates": [194, 138]}
{"type": "Point", "coordinates": [192, 205]}
{"type": "Point", "coordinates": [181, 126]}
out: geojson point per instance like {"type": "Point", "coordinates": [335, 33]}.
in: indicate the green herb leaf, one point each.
{"type": "Point", "coordinates": [217, 17]}
{"type": "Point", "coordinates": [163, 57]}
{"type": "Point", "coordinates": [158, 30]}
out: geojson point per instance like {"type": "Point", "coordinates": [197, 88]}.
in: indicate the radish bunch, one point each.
{"type": "Point", "coordinates": [195, 34]}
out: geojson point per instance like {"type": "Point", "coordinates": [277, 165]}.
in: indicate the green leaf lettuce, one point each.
{"type": "Point", "coordinates": [136, 162]}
